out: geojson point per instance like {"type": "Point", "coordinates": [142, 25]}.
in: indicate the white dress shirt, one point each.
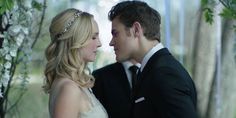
{"type": "Point", "coordinates": [149, 55]}
{"type": "Point", "coordinates": [126, 65]}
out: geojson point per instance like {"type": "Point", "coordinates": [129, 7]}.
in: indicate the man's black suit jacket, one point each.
{"type": "Point", "coordinates": [164, 90]}
{"type": "Point", "coordinates": [113, 90]}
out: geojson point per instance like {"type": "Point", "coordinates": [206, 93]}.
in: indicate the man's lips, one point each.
{"type": "Point", "coordinates": [116, 50]}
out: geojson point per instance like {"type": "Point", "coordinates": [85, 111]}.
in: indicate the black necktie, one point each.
{"type": "Point", "coordinates": [133, 69]}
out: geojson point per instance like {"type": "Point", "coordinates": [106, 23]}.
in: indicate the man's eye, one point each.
{"type": "Point", "coordinates": [114, 34]}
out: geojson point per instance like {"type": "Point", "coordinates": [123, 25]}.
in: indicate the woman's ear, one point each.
{"type": "Point", "coordinates": [137, 28]}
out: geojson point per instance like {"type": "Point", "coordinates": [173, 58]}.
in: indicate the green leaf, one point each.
{"type": "Point", "coordinates": [6, 5]}
{"type": "Point", "coordinates": [9, 4]}
{"type": "Point", "coordinates": [37, 5]}
{"type": "Point", "coordinates": [1, 3]}
{"type": "Point", "coordinates": [208, 13]}
{"type": "Point", "coordinates": [234, 28]}
{"type": "Point", "coordinates": [234, 2]}
{"type": "Point", "coordinates": [204, 2]}
{"type": "Point", "coordinates": [228, 13]}
{"type": "Point", "coordinates": [2, 10]}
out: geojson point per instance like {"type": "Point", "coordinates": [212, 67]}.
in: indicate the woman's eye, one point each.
{"type": "Point", "coordinates": [94, 38]}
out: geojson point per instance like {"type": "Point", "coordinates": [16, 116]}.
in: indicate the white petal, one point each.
{"type": "Point", "coordinates": [25, 30]}
{"type": "Point", "coordinates": [5, 79]}
{"type": "Point", "coordinates": [13, 53]}
{"type": "Point", "coordinates": [4, 22]}
{"type": "Point", "coordinates": [8, 57]}
{"type": "Point", "coordinates": [7, 65]}
{"type": "Point", "coordinates": [27, 3]}
{"type": "Point", "coordinates": [14, 30]}
{"type": "Point", "coordinates": [1, 96]}
{"type": "Point", "coordinates": [19, 39]}
{"type": "Point", "coordinates": [1, 35]}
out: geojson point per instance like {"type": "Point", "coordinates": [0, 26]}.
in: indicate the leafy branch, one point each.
{"type": "Point", "coordinates": [17, 43]}
{"type": "Point", "coordinates": [228, 12]}
{"type": "Point", "coordinates": [6, 5]}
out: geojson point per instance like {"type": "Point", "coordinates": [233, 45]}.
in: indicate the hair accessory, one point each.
{"type": "Point", "coordinates": [69, 24]}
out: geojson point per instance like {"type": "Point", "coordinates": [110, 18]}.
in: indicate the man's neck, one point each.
{"type": "Point", "coordinates": [145, 47]}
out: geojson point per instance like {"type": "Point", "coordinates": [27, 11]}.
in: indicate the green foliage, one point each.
{"type": "Point", "coordinates": [228, 13]}
{"type": "Point", "coordinates": [37, 5]}
{"type": "Point", "coordinates": [9, 4]}
{"type": "Point", "coordinates": [234, 30]}
{"type": "Point", "coordinates": [204, 2]}
{"type": "Point", "coordinates": [6, 5]}
{"type": "Point", "coordinates": [16, 48]}
{"type": "Point", "coordinates": [207, 7]}
{"type": "Point", "coordinates": [208, 13]}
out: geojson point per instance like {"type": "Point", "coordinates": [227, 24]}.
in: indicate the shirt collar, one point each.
{"type": "Point", "coordinates": [127, 64]}
{"type": "Point", "coordinates": [149, 54]}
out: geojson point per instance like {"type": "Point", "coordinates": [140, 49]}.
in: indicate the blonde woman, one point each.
{"type": "Point", "coordinates": [74, 42]}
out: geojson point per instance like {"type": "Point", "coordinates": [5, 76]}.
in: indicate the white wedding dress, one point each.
{"type": "Point", "coordinates": [97, 110]}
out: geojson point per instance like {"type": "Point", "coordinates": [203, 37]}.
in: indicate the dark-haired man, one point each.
{"type": "Point", "coordinates": [164, 89]}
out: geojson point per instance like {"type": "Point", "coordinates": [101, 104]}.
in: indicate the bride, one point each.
{"type": "Point", "coordinates": [74, 42]}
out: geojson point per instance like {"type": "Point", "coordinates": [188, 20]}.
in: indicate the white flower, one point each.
{"type": "Point", "coordinates": [7, 49]}
{"type": "Point", "coordinates": [1, 67]}
{"type": "Point", "coordinates": [4, 51]}
{"type": "Point", "coordinates": [29, 14]}
{"type": "Point", "coordinates": [7, 13]}
{"type": "Point", "coordinates": [13, 53]}
{"type": "Point", "coordinates": [1, 35]}
{"type": "Point", "coordinates": [14, 30]}
{"type": "Point", "coordinates": [7, 65]}
{"type": "Point", "coordinates": [16, 7]}
{"type": "Point", "coordinates": [15, 16]}
{"type": "Point", "coordinates": [8, 57]}
{"type": "Point", "coordinates": [7, 72]}
{"type": "Point", "coordinates": [19, 39]}
{"type": "Point", "coordinates": [5, 79]}
{"type": "Point", "coordinates": [1, 96]}
{"type": "Point", "coordinates": [25, 30]}
{"type": "Point", "coordinates": [5, 41]}
{"type": "Point", "coordinates": [5, 21]}
{"type": "Point", "coordinates": [27, 3]}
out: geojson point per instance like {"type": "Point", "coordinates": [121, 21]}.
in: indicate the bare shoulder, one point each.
{"type": "Point", "coordinates": [69, 87]}
{"type": "Point", "coordinates": [66, 99]}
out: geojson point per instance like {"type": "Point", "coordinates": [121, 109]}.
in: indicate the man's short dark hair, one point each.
{"type": "Point", "coordinates": [129, 12]}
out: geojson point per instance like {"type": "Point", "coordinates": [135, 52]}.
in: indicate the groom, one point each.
{"type": "Point", "coordinates": [164, 88]}
{"type": "Point", "coordinates": [113, 87]}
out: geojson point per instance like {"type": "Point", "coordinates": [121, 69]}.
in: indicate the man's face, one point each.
{"type": "Point", "coordinates": [122, 40]}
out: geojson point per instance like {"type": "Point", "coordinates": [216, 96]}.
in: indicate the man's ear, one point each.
{"type": "Point", "coordinates": [137, 29]}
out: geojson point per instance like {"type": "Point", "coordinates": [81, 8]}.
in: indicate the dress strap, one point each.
{"type": "Point", "coordinates": [89, 93]}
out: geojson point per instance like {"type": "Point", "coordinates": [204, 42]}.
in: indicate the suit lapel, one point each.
{"type": "Point", "coordinates": [149, 66]}
{"type": "Point", "coordinates": [123, 79]}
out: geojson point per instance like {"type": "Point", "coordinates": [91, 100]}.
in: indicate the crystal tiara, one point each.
{"type": "Point", "coordinates": [69, 24]}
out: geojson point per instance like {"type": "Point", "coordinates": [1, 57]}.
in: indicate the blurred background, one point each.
{"type": "Point", "coordinates": [201, 34]}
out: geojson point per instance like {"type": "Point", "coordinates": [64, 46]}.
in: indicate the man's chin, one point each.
{"type": "Point", "coordinates": [120, 59]}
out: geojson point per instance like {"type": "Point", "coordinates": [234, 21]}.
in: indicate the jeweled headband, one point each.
{"type": "Point", "coordinates": [69, 24]}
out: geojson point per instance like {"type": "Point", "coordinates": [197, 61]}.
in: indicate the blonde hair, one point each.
{"type": "Point", "coordinates": [63, 53]}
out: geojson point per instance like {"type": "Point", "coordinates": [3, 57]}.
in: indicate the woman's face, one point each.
{"type": "Point", "coordinates": [88, 52]}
